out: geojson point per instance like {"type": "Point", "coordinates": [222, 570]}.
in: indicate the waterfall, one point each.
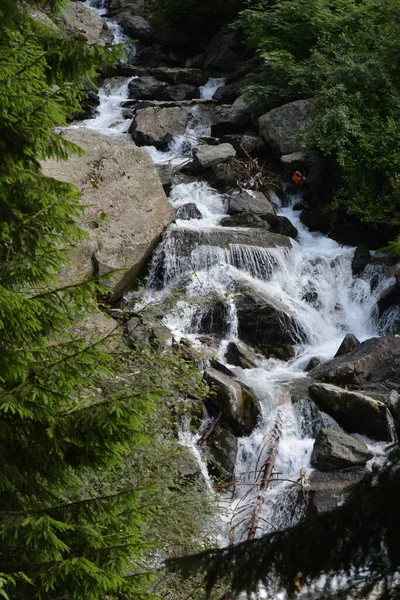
{"type": "Point", "coordinates": [311, 282]}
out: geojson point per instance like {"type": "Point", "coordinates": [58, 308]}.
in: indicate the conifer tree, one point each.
{"type": "Point", "coordinates": [65, 418]}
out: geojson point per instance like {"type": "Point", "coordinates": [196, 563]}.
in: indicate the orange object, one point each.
{"type": "Point", "coordinates": [298, 178]}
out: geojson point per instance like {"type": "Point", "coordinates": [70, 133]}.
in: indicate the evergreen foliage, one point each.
{"type": "Point", "coordinates": [73, 406]}
{"type": "Point", "coordinates": [344, 55]}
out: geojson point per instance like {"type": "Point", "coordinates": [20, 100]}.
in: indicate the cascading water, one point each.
{"type": "Point", "coordinates": [310, 279]}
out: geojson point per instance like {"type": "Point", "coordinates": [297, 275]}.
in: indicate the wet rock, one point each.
{"type": "Point", "coordinates": [281, 225]}
{"type": "Point", "coordinates": [248, 142]}
{"type": "Point", "coordinates": [392, 401]}
{"type": "Point", "coordinates": [213, 320]}
{"type": "Point", "coordinates": [228, 93]}
{"type": "Point", "coordinates": [208, 156]}
{"type": "Point", "coordinates": [137, 28]}
{"type": "Point", "coordinates": [373, 363]}
{"type": "Point", "coordinates": [156, 127]}
{"type": "Point", "coordinates": [89, 106]}
{"type": "Point", "coordinates": [222, 446]}
{"type": "Point", "coordinates": [81, 21]}
{"type": "Point", "coordinates": [354, 411]}
{"type": "Point", "coordinates": [282, 127]}
{"type": "Point", "coordinates": [263, 321]}
{"type": "Point", "coordinates": [282, 352]}
{"type": "Point", "coordinates": [314, 362]}
{"type": "Point", "coordinates": [250, 201]}
{"type": "Point", "coordinates": [119, 180]}
{"type": "Point", "coordinates": [150, 88]}
{"type": "Point", "coordinates": [236, 403]}
{"type": "Point", "coordinates": [389, 298]}
{"type": "Point", "coordinates": [309, 418]}
{"type": "Point", "coordinates": [155, 56]}
{"type": "Point", "coordinates": [240, 355]}
{"type": "Point", "coordinates": [219, 366]}
{"type": "Point", "coordinates": [334, 450]}
{"type": "Point", "coordinates": [362, 257]}
{"type": "Point", "coordinates": [221, 177]}
{"type": "Point", "coordinates": [224, 52]}
{"type": "Point", "coordinates": [179, 76]}
{"type": "Point", "coordinates": [329, 490]}
{"type": "Point", "coordinates": [244, 220]}
{"type": "Point", "coordinates": [188, 211]}
{"type": "Point", "coordinates": [348, 344]}
{"type": "Point", "coordinates": [186, 240]}
{"type": "Point", "coordinates": [230, 119]}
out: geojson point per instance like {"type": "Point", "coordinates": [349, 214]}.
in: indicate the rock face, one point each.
{"type": "Point", "coordinates": [150, 88]}
{"type": "Point", "coordinates": [244, 220]}
{"type": "Point", "coordinates": [249, 201]}
{"type": "Point", "coordinates": [238, 406]}
{"type": "Point", "coordinates": [188, 211]}
{"type": "Point", "coordinates": [137, 28]}
{"type": "Point", "coordinates": [185, 240]}
{"type": "Point", "coordinates": [354, 411]}
{"type": "Point", "coordinates": [328, 490]}
{"type": "Point", "coordinates": [281, 127]}
{"type": "Point", "coordinates": [334, 450]}
{"type": "Point", "coordinates": [230, 119]}
{"type": "Point", "coordinates": [349, 343]}
{"type": "Point", "coordinates": [81, 20]}
{"type": "Point", "coordinates": [262, 321]}
{"type": "Point", "coordinates": [239, 355]}
{"type": "Point", "coordinates": [361, 258]}
{"type": "Point", "coordinates": [223, 54]}
{"type": "Point", "coordinates": [208, 156]}
{"type": "Point", "coordinates": [222, 446]}
{"type": "Point", "coordinates": [157, 126]}
{"type": "Point", "coordinates": [376, 361]}
{"type": "Point", "coordinates": [120, 181]}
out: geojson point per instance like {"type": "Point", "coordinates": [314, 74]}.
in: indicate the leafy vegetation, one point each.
{"type": "Point", "coordinates": [344, 55]}
{"type": "Point", "coordinates": [84, 475]}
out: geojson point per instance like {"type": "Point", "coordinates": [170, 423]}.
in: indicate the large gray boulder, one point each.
{"type": "Point", "coordinates": [80, 20]}
{"type": "Point", "coordinates": [205, 157]}
{"type": "Point", "coordinates": [348, 344]}
{"type": "Point", "coordinates": [224, 52]}
{"type": "Point", "coordinates": [249, 201]}
{"type": "Point", "coordinates": [118, 181]}
{"type": "Point", "coordinates": [137, 28]}
{"type": "Point", "coordinates": [222, 449]}
{"type": "Point", "coordinates": [282, 127]}
{"type": "Point", "coordinates": [234, 403]}
{"type": "Point", "coordinates": [327, 491]}
{"type": "Point", "coordinates": [240, 355]}
{"type": "Point", "coordinates": [355, 411]}
{"type": "Point", "coordinates": [263, 321]}
{"type": "Point", "coordinates": [150, 88]}
{"type": "Point", "coordinates": [230, 119]}
{"type": "Point", "coordinates": [157, 126]}
{"type": "Point", "coordinates": [374, 363]}
{"type": "Point", "coordinates": [334, 450]}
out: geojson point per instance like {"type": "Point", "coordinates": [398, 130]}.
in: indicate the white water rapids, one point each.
{"type": "Point", "coordinates": [312, 280]}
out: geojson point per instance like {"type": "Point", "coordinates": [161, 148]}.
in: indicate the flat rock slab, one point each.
{"type": "Point", "coordinates": [157, 126]}
{"type": "Point", "coordinates": [118, 181]}
{"type": "Point", "coordinates": [250, 202]}
{"type": "Point", "coordinates": [205, 157]}
{"type": "Point", "coordinates": [82, 20]}
{"type": "Point", "coordinates": [334, 450]}
{"type": "Point", "coordinates": [327, 491]}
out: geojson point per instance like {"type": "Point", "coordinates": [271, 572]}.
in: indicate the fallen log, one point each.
{"type": "Point", "coordinates": [265, 474]}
